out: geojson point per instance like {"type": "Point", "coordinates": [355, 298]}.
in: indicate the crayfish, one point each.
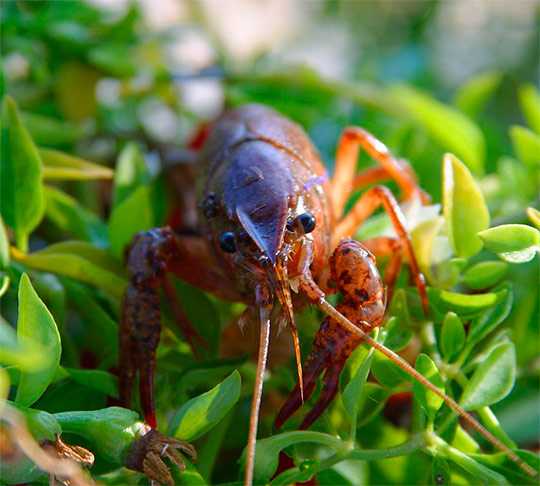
{"type": "Point", "coordinates": [271, 220]}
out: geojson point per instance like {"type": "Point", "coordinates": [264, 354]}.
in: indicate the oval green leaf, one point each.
{"type": "Point", "coordinates": [452, 336]}
{"type": "Point", "coordinates": [492, 380]}
{"type": "Point", "coordinates": [464, 208]}
{"type": "Point", "coordinates": [21, 190]}
{"type": "Point", "coordinates": [429, 401]}
{"type": "Point", "coordinates": [515, 243]}
{"type": "Point", "coordinates": [484, 274]}
{"type": "Point", "coordinates": [200, 414]}
{"type": "Point", "coordinates": [462, 304]}
{"type": "Point", "coordinates": [526, 145]}
{"type": "Point", "coordinates": [529, 99]}
{"type": "Point", "coordinates": [36, 323]}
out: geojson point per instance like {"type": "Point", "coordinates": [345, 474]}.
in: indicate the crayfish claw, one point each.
{"type": "Point", "coordinates": [147, 455]}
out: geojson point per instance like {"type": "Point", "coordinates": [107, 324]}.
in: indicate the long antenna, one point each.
{"type": "Point", "coordinates": [331, 311]}
{"type": "Point", "coordinates": [264, 340]}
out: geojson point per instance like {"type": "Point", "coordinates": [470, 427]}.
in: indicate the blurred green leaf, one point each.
{"type": "Point", "coordinates": [99, 380]}
{"type": "Point", "coordinates": [200, 414]}
{"type": "Point", "coordinates": [476, 92]}
{"type": "Point", "coordinates": [75, 88]}
{"type": "Point", "coordinates": [512, 472]}
{"type": "Point", "coordinates": [429, 402]}
{"type": "Point", "coordinates": [60, 166]}
{"type": "Point", "coordinates": [27, 354]}
{"type": "Point", "coordinates": [67, 214]}
{"type": "Point", "coordinates": [132, 215]}
{"type": "Point", "coordinates": [492, 380]}
{"type": "Point", "coordinates": [130, 173]}
{"type": "Point", "coordinates": [452, 336]}
{"type": "Point", "coordinates": [440, 472]}
{"type": "Point", "coordinates": [484, 274]}
{"type": "Point", "coordinates": [35, 322]}
{"type": "Point", "coordinates": [51, 132]}
{"type": "Point", "coordinates": [4, 246]}
{"type": "Point", "coordinates": [453, 130]}
{"type": "Point", "coordinates": [526, 145]}
{"type": "Point", "coordinates": [534, 216]}
{"type": "Point", "coordinates": [464, 208]}
{"type": "Point", "coordinates": [81, 261]}
{"type": "Point", "coordinates": [515, 243]}
{"type": "Point", "coordinates": [115, 59]}
{"type": "Point", "coordinates": [529, 99]}
{"type": "Point", "coordinates": [21, 193]}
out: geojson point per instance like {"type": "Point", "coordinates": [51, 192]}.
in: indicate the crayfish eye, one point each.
{"type": "Point", "coordinates": [307, 220]}
{"type": "Point", "coordinates": [226, 242]}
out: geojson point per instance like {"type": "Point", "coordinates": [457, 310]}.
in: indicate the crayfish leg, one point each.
{"type": "Point", "coordinates": [356, 277]}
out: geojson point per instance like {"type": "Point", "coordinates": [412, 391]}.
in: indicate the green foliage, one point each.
{"type": "Point", "coordinates": [85, 166]}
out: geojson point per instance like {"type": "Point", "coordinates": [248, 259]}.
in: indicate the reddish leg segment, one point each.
{"type": "Point", "coordinates": [356, 276]}
{"type": "Point", "coordinates": [344, 180]}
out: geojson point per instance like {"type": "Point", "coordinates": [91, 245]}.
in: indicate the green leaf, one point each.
{"type": "Point", "coordinates": [398, 335]}
{"type": "Point", "coordinates": [21, 192]}
{"type": "Point", "coordinates": [440, 472]}
{"type": "Point", "coordinates": [200, 414]}
{"type": "Point", "coordinates": [453, 130]}
{"type": "Point", "coordinates": [515, 243]}
{"type": "Point", "coordinates": [35, 322]}
{"type": "Point", "coordinates": [4, 246]}
{"type": "Point", "coordinates": [463, 304]}
{"type": "Point", "coordinates": [464, 208]}
{"type": "Point", "coordinates": [27, 354]}
{"type": "Point", "coordinates": [66, 213]}
{"type": "Point", "coordinates": [484, 274]}
{"type": "Point", "coordinates": [423, 238]}
{"type": "Point", "coordinates": [60, 166]}
{"type": "Point", "coordinates": [4, 386]}
{"type": "Point", "coordinates": [492, 380]}
{"type": "Point", "coordinates": [99, 380]}
{"type": "Point", "coordinates": [488, 321]}
{"type": "Point", "coordinates": [534, 216]}
{"type": "Point", "coordinates": [501, 463]}
{"type": "Point", "coordinates": [452, 336]}
{"type": "Point", "coordinates": [50, 131]}
{"type": "Point", "coordinates": [529, 99]}
{"type": "Point", "coordinates": [267, 450]}
{"type": "Point", "coordinates": [370, 402]}
{"type": "Point", "coordinates": [476, 92]}
{"type": "Point", "coordinates": [526, 145]}
{"type": "Point", "coordinates": [80, 261]}
{"type": "Point", "coordinates": [130, 173]}
{"type": "Point", "coordinates": [123, 224]}
{"type": "Point", "coordinates": [388, 373]}
{"type": "Point", "coordinates": [429, 402]}
{"type": "Point", "coordinates": [352, 391]}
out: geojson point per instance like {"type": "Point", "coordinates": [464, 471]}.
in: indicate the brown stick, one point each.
{"type": "Point", "coordinates": [329, 310]}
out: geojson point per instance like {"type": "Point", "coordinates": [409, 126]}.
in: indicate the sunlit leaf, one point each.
{"type": "Point", "coordinates": [26, 354]}
{"type": "Point", "coordinates": [476, 92]}
{"type": "Point", "coordinates": [534, 216]}
{"type": "Point", "coordinates": [423, 239]}
{"type": "Point", "coordinates": [429, 401]}
{"type": "Point", "coordinates": [60, 166]}
{"type": "Point", "coordinates": [492, 380]}
{"type": "Point", "coordinates": [484, 274]}
{"type": "Point", "coordinates": [36, 323]}
{"type": "Point", "coordinates": [67, 214]}
{"type": "Point", "coordinates": [526, 145]}
{"type": "Point", "coordinates": [200, 414]}
{"type": "Point", "coordinates": [453, 130]}
{"type": "Point", "coordinates": [132, 215]}
{"type": "Point", "coordinates": [130, 173]}
{"type": "Point", "coordinates": [4, 246]}
{"type": "Point", "coordinates": [462, 304]}
{"type": "Point", "coordinates": [529, 99]}
{"type": "Point", "coordinates": [515, 243]}
{"type": "Point", "coordinates": [464, 208]}
{"type": "Point", "coordinates": [452, 336]}
{"type": "Point", "coordinates": [81, 261]}
{"type": "Point", "coordinates": [21, 192]}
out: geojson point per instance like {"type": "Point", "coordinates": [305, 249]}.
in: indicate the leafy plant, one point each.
{"type": "Point", "coordinates": [81, 174]}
